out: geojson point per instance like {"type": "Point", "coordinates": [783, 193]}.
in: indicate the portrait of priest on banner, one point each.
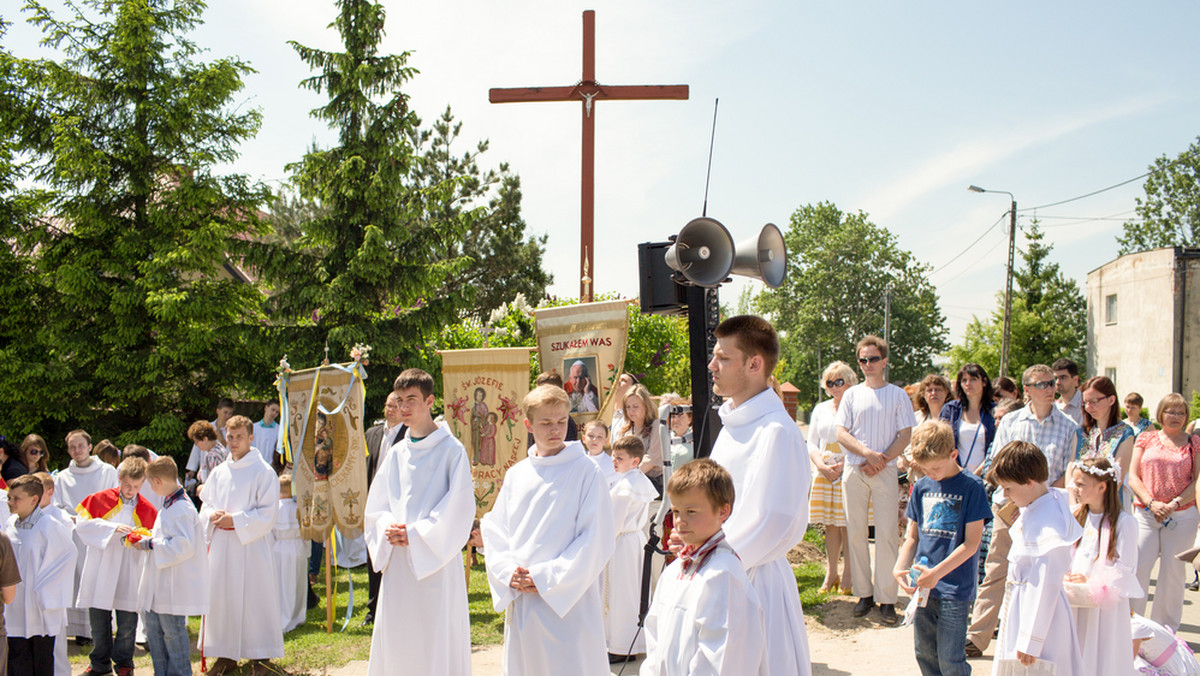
{"type": "Point", "coordinates": [585, 396]}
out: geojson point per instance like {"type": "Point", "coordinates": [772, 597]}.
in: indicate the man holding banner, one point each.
{"type": "Point", "coordinates": [419, 512]}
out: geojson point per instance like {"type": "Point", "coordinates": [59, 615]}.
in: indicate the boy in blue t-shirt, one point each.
{"type": "Point", "coordinates": [946, 514]}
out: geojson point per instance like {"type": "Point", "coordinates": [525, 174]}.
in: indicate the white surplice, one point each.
{"type": "Point", "coordinates": [243, 621]}
{"type": "Point", "coordinates": [553, 517]}
{"type": "Point", "coordinates": [62, 662]}
{"type": "Point", "coordinates": [763, 450]}
{"type": "Point", "coordinates": [46, 558]}
{"type": "Point", "coordinates": [631, 495]}
{"type": "Point", "coordinates": [1104, 630]}
{"type": "Point", "coordinates": [176, 577]}
{"type": "Point", "coordinates": [291, 555]}
{"type": "Point", "coordinates": [1035, 617]}
{"type": "Point", "coordinates": [71, 486]}
{"type": "Point", "coordinates": [607, 470]}
{"type": "Point", "coordinates": [112, 572]}
{"type": "Point", "coordinates": [421, 623]}
{"type": "Point", "coordinates": [705, 625]}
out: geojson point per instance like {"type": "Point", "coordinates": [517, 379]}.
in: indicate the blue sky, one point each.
{"type": "Point", "coordinates": [886, 107]}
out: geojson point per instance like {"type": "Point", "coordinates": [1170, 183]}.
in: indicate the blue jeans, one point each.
{"type": "Point", "coordinates": [940, 637]}
{"type": "Point", "coordinates": [107, 653]}
{"type": "Point", "coordinates": [167, 639]}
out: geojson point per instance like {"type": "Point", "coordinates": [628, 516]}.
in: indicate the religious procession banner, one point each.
{"type": "Point", "coordinates": [326, 443]}
{"type": "Point", "coordinates": [483, 391]}
{"type": "Point", "coordinates": [586, 345]}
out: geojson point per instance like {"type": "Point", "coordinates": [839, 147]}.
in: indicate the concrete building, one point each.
{"type": "Point", "coordinates": [1143, 323]}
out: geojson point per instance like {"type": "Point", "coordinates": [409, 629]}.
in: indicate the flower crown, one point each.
{"type": "Point", "coordinates": [1095, 471]}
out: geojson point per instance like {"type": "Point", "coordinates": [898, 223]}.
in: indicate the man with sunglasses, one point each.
{"type": "Point", "coordinates": [874, 425]}
{"type": "Point", "coordinates": [1044, 425]}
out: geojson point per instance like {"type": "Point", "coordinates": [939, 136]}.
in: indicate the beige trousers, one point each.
{"type": "Point", "coordinates": [880, 493]}
{"type": "Point", "coordinates": [986, 614]}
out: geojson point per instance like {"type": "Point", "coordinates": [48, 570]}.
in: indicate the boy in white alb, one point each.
{"type": "Point", "coordinates": [762, 449]}
{"type": "Point", "coordinates": [46, 559]}
{"type": "Point", "coordinates": [595, 438]}
{"type": "Point", "coordinates": [62, 664]}
{"type": "Point", "coordinates": [291, 553]}
{"type": "Point", "coordinates": [113, 571]}
{"type": "Point", "coordinates": [548, 537]}
{"type": "Point", "coordinates": [705, 618]}
{"type": "Point", "coordinates": [874, 425]}
{"type": "Point", "coordinates": [241, 503]}
{"type": "Point", "coordinates": [175, 579]}
{"type": "Point", "coordinates": [419, 512]}
{"type": "Point", "coordinates": [85, 475]}
{"type": "Point", "coordinates": [631, 495]}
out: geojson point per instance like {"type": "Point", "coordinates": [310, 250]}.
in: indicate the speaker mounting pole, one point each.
{"type": "Point", "coordinates": [703, 312]}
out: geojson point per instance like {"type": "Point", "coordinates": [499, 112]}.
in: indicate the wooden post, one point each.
{"type": "Point", "coordinates": [329, 583]}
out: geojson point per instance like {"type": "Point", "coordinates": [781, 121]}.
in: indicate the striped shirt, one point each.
{"type": "Point", "coordinates": [1057, 436]}
{"type": "Point", "coordinates": [874, 417]}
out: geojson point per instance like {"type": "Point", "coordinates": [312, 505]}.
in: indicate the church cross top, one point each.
{"type": "Point", "coordinates": [588, 92]}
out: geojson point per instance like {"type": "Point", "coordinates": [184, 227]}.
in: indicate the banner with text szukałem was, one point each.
{"type": "Point", "coordinates": [483, 390]}
{"type": "Point", "coordinates": [586, 345]}
{"type": "Point", "coordinates": [326, 440]}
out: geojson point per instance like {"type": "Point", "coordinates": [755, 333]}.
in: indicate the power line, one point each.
{"type": "Point", "coordinates": [977, 240]}
{"type": "Point", "coordinates": [1094, 192]}
{"type": "Point", "coordinates": [977, 262]}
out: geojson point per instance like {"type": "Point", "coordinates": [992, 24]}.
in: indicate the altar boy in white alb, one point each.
{"type": "Point", "coordinates": [547, 539]}
{"type": "Point", "coordinates": [418, 515]}
{"type": "Point", "coordinates": [85, 475]}
{"type": "Point", "coordinates": [766, 455]}
{"type": "Point", "coordinates": [241, 501]}
{"type": "Point", "coordinates": [631, 494]}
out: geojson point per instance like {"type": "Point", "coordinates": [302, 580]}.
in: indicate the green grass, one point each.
{"type": "Point", "coordinates": [810, 576]}
{"type": "Point", "coordinates": [309, 650]}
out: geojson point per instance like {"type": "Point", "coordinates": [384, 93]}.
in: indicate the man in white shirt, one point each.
{"type": "Point", "coordinates": [874, 425]}
{"type": "Point", "coordinates": [1066, 384]}
{"type": "Point", "coordinates": [380, 438]}
{"type": "Point", "coordinates": [266, 432]}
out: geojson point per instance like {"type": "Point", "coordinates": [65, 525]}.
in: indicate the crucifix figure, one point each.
{"type": "Point", "coordinates": [587, 91]}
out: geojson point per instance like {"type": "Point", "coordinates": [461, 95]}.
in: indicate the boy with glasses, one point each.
{"type": "Point", "coordinates": [1044, 425]}
{"type": "Point", "coordinates": [874, 425]}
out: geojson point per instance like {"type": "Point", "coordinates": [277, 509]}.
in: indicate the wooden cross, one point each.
{"type": "Point", "coordinates": [587, 91]}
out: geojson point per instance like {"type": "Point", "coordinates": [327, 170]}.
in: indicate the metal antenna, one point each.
{"type": "Point", "coordinates": [711, 141]}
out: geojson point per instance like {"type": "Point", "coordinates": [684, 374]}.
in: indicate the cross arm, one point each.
{"type": "Point", "coordinates": [518, 94]}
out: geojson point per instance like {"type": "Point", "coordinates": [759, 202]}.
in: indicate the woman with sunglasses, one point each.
{"type": "Point", "coordinates": [825, 503]}
{"type": "Point", "coordinates": [970, 416]}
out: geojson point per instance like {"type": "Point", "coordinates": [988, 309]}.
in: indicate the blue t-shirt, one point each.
{"type": "Point", "coordinates": [943, 509]}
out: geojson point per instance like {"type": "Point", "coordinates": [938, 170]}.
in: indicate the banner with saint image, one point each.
{"type": "Point", "coordinates": [483, 390]}
{"type": "Point", "coordinates": [586, 345]}
{"type": "Point", "coordinates": [323, 411]}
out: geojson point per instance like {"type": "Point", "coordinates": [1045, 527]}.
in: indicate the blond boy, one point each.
{"type": "Point", "coordinates": [946, 515]}
{"type": "Point", "coordinates": [705, 618]}
{"type": "Point", "coordinates": [112, 571]}
{"type": "Point", "coordinates": [548, 538]}
{"type": "Point", "coordinates": [631, 494]}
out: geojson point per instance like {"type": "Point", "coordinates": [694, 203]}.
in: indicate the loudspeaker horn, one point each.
{"type": "Point", "coordinates": [763, 257]}
{"type": "Point", "coordinates": [702, 252]}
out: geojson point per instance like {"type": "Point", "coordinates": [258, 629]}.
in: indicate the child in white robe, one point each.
{"type": "Point", "coordinates": [631, 495]}
{"type": "Point", "coordinates": [85, 475]}
{"type": "Point", "coordinates": [705, 618]}
{"type": "Point", "coordinates": [241, 503]}
{"type": "Point", "coordinates": [45, 557]}
{"type": "Point", "coordinates": [291, 553]}
{"type": "Point", "coordinates": [419, 511]}
{"type": "Point", "coordinates": [1160, 652]}
{"type": "Point", "coordinates": [175, 579]}
{"type": "Point", "coordinates": [113, 570]}
{"type": "Point", "coordinates": [595, 438]}
{"type": "Point", "coordinates": [548, 537]}
{"type": "Point", "coordinates": [1036, 622]}
{"type": "Point", "coordinates": [62, 664]}
{"type": "Point", "coordinates": [1103, 573]}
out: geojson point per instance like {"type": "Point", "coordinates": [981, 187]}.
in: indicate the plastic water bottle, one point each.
{"type": "Point", "coordinates": [913, 574]}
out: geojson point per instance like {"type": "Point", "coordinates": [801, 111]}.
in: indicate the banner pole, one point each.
{"type": "Point", "coordinates": [328, 585]}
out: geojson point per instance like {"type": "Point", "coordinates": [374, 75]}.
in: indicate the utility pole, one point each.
{"type": "Point", "coordinates": [1012, 239]}
{"type": "Point", "coordinates": [887, 324]}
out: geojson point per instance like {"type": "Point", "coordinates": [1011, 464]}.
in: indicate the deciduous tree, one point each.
{"type": "Point", "coordinates": [1170, 213]}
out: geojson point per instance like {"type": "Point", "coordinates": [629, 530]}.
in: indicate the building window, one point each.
{"type": "Point", "coordinates": [1110, 309]}
{"type": "Point", "coordinates": [1111, 374]}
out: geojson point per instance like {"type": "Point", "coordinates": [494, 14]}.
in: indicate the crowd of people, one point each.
{"type": "Point", "coordinates": [1034, 516]}
{"type": "Point", "coordinates": [993, 505]}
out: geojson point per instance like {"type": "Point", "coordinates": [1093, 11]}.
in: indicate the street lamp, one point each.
{"type": "Point", "coordinates": [1012, 238]}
